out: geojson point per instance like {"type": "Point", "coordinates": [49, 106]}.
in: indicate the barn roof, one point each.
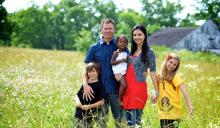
{"type": "Point", "coordinates": [169, 36]}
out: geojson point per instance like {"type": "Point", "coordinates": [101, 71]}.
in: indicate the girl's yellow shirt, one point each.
{"type": "Point", "coordinates": [169, 100]}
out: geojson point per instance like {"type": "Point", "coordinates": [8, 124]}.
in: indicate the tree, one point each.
{"type": "Point", "coordinates": [83, 41]}
{"type": "Point", "coordinates": [31, 28]}
{"type": "Point", "coordinates": [5, 26]}
{"type": "Point", "coordinates": [127, 20]}
{"type": "Point", "coordinates": [189, 21]}
{"type": "Point", "coordinates": [161, 12]}
{"type": "Point", "coordinates": [209, 9]}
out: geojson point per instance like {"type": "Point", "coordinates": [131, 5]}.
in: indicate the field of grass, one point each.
{"type": "Point", "coordinates": [37, 88]}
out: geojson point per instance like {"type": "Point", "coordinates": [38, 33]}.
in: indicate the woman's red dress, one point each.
{"type": "Point", "coordinates": [136, 94]}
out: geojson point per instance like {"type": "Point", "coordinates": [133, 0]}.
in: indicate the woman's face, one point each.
{"type": "Point", "coordinates": [138, 37]}
{"type": "Point", "coordinates": [172, 64]}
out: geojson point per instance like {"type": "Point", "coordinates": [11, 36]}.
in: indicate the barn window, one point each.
{"type": "Point", "coordinates": [211, 38]}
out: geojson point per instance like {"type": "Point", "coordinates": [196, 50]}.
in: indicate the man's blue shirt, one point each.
{"type": "Point", "coordinates": [101, 53]}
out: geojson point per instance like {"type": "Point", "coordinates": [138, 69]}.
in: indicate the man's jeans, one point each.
{"type": "Point", "coordinates": [117, 112]}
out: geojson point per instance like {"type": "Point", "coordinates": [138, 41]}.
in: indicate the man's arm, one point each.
{"type": "Point", "coordinates": [87, 90]}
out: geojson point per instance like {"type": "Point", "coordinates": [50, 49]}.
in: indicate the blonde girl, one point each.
{"type": "Point", "coordinates": [170, 86]}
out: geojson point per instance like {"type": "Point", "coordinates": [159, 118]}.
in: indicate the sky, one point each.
{"type": "Point", "coordinates": [15, 5]}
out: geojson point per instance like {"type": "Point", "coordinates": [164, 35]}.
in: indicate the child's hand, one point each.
{"type": "Point", "coordinates": [154, 99]}
{"type": "Point", "coordinates": [85, 107]}
{"type": "Point", "coordinates": [191, 111]}
{"type": "Point", "coordinates": [125, 60]}
{"type": "Point", "coordinates": [145, 74]}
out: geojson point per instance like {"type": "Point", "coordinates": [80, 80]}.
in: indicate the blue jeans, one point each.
{"type": "Point", "coordinates": [133, 116]}
{"type": "Point", "coordinates": [117, 112]}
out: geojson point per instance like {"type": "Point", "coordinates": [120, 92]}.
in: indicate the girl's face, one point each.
{"type": "Point", "coordinates": [93, 74]}
{"type": "Point", "coordinates": [138, 37]}
{"type": "Point", "coordinates": [122, 43]}
{"type": "Point", "coordinates": [172, 64]}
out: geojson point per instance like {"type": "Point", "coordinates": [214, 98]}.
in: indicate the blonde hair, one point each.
{"type": "Point", "coordinates": [89, 67]}
{"type": "Point", "coordinates": [165, 74]}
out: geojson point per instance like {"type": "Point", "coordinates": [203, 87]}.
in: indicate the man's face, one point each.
{"type": "Point", "coordinates": [108, 30]}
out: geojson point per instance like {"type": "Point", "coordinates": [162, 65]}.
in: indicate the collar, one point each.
{"type": "Point", "coordinates": [101, 41]}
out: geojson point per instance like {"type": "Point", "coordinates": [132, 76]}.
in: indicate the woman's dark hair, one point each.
{"type": "Point", "coordinates": [145, 46]}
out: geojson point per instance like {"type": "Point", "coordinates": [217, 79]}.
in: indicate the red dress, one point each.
{"type": "Point", "coordinates": [136, 94]}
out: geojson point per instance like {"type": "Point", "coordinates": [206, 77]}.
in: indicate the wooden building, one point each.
{"type": "Point", "coordinates": [203, 38]}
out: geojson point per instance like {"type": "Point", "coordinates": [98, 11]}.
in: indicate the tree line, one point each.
{"type": "Point", "coordinates": [74, 24]}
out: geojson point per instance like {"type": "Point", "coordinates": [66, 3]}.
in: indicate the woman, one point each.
{"type": "Point", "coordinates": [140, 60]}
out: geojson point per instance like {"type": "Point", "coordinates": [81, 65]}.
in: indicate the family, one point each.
{"type": "Point", "coordinates": [116, 78]}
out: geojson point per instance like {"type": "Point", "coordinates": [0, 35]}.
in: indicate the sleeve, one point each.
{"type": "Point", "coordinates": [151, 60]}
{"type": "Point", "coordinates": [101, 92]}
{"type": "Point", "coordinates": [177, 80]}
{"type": "Point", "coordinates": [80, 92]}
{"type": "Point", "coordinates": [90, 55]}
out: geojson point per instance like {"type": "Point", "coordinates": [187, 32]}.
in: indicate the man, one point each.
{"type": "Point", "coordinates": [101, 53]}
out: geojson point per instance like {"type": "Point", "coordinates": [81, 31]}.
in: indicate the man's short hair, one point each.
{"type": "Point", "coordinates": [107, 21]}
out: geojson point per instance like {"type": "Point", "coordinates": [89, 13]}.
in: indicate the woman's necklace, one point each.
{"type": "Point", "coordinates": [137, 52]}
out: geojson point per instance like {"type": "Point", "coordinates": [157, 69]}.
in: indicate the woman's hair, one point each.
{"type": "Point", "coordinates": [120, 36]}
{"type": "Point", "coordinates": [90, 66]}
{"type": "Point", "coordinates": [165, 74]}
{"type": "Point", "coordinates": [145, 46]}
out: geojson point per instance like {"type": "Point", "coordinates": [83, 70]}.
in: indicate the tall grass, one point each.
{"type": "Point", "coordinates": [37, 88]}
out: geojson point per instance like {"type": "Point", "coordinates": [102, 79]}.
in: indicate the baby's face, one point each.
{"type": "Point", "coordinates": [122, 43]}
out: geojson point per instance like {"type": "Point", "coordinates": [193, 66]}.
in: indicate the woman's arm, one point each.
{"type": "Point", "coordinates": [186, 96]}
{"type": "Point", "coordinates": [154, 80]}
{"type": "Point", "coordinates": [155, 83]}
{"type": "Point", "coordinates": [94, 105]}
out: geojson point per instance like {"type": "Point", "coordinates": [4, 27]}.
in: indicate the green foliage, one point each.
{"type": "Point", "coordinates": [5, 25]}
{"type": "Point", "coordinates": [37, 88]}
{"type": "Point", "coordinates": [189, 21]}
{"type": "Point", "coordinates": [209, 9]}
{"type": "Point", "coordinates": [127, 20]}
{"type": "Point", "coordinates": [31, 28]}
{"type": "Point", "coordinates": [186, 55]}
{"type": "Point", "coordinates": [161, 12]}
{"type": "Point", "coordinates": [83, 41]}
{"type": "Point", "coordinates": [24, 46]}
{"type": "Point", "coordinates": [58, 26]}
{"type": "Point", "coordinates": [2, 42]}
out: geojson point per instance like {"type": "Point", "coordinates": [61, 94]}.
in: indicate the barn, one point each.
{"type": "Point", "coordinates": [203, 38]}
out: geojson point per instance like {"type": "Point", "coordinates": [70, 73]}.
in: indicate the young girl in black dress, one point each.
{"type": "Point", "coordinates": [88, 112]}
